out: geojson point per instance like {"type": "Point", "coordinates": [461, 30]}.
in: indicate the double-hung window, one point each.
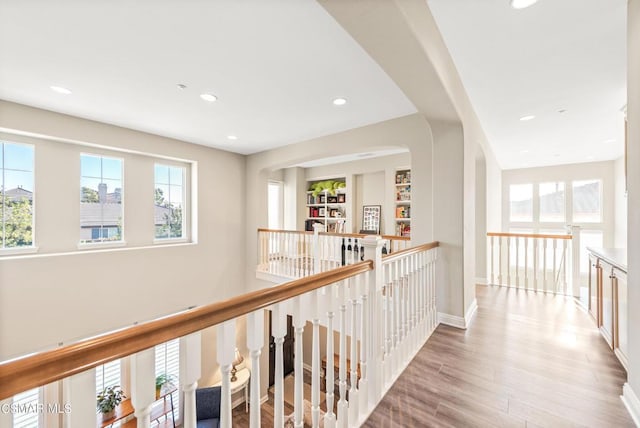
{"type": "Point", "coordinates": [16, 195]}
{"type": "Point", "coordinates": [169, 202]}
{"type": "Point", "coordinates": [101, 195]}
{"type": "Point", "coordinates": [168, 364]}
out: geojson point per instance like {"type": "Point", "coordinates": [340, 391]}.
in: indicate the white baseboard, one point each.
{"type": "Point", "coordinates": [264, 399]}
{"type": "Point", "coordinates": [470, 313]}
{"type": "Point", "coordinates": [482, 281]}
{"type": "Point", "coordinates": [451, 320]}
{"type": "Point", "coordinates": [631, 402]}
{"type": "Point", "coordinates": [459, 322]}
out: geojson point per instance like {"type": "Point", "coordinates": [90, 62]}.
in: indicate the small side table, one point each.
{"type": "Point", "coordinates": [242, 383]}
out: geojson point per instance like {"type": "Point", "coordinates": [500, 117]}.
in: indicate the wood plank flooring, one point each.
{"type": "Point", "coordinates": [528, 360]}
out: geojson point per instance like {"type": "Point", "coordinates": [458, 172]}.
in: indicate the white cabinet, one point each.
{"type": "Point", "coordinates": [622, 316]}
{"type": "Point", "coordinates": [606, 328]}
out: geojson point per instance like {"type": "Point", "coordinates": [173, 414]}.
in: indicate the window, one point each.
{"type": "Point", "coordinates": [108, 375]}
{"type": "Point", "coordinates": [521, 202]}
{"type": "Point", "coordinates": [16, 195]}
{"type": "Point", "coordinates": [100, 199]}
{"type": "Point", "coordinates": [587, 199]}
{"type": "Point", "coordinates": [168, 363]}
{"type": "Point", "coordinates": [169, 199]}
{"type": "Point", "coordinates": [25, 409]}
{"type": "Point", "coordinates": [552, 201]}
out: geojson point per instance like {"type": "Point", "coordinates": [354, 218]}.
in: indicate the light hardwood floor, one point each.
{"type": "Point", "coordinates": [527, 360]}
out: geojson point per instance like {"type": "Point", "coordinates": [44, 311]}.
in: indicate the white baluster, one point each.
{"type": "Point", "coordinates": [279, 330]}
{"type": "Point", "coordinates": [564, 266]}
{"type": "Point", "coordinates": [226, 345]}
{"type": "Point", "coordinates": [553, 278]}
{"type": "Point", "coordinates": [535, 263]}
{"type": "Point", "coordinates": [315, 360]}
{"type": "Point", "coordinates": [255, 342]}
{"type": "Point", "coordinates": [388, 324]}
{"type": "Point", "coordinates": [526, 263]}
{"type": "Point", "coordinates": [80, 391]}
{"type": "Point", "coordinates": [329, 376]}
{"type": "Point", "coordinates": [575, 260]}
{"type": "Point", "coordinates": [509, 261]}
{"type": "Point", "coordinates": [492, 251]}
{"type": "Point", "coordinates": [363, 384]}
{"type": "Point", "coordinates": [298, 325]}
{"type": "Point", "coordinates": [353, 357]}
{"type": "Point", "coordinates": [500, 260]}
{"type": "Point", "coordinates": [343, 408]}
{"type": "Point", "coordinates": [190, 369]}
{"type": "Point", "coordinates": [517, 262]}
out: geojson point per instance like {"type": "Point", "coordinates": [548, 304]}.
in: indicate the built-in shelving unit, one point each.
{"type": "Point", "coordinates": [327, 206]}
{"type": "Point", "coordinates": [403, 202]}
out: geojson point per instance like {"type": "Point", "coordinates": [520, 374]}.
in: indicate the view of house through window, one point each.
{"type": "Point", "coordinates": [100, 199]}
{"type": "Point", "coordinates": [16, 198]}
{"type": "Point", "coordinates": [521, 202]}
{"type": "Point", "coordinates": [587, 201]}
{"type": "Point", "coordinates": [169, 199]}
{"type": "Point", "coordinates": [552, 201]}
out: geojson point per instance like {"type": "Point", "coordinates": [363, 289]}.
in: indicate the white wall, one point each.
{"type": "Point", "coordinates": [619, 205]}
{"type": "Point", "coordinates": [633, 224]}
{"type": "Point", "coordinates": [80, 293]}
{"type": "Point", "coordinates": [481, 219]}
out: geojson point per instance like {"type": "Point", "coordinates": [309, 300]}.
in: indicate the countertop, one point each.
{"type": "Point", "coordinates": [614, 256]}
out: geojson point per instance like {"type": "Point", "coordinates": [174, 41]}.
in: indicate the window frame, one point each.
{"type": "Point", "coordinates": [104, 244]}
{"type": "Point", "coordinates": [26, 249]}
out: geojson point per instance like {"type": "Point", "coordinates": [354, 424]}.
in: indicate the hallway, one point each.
{"type": "Point", "coordinates": [528, 359]}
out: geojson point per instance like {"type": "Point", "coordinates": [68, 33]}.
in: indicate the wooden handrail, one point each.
{"type": "Point", "coordinates": [49, 366]}
{"type": "Point", "coordinates": [300, 232]}
{"type": "Point", "coordinates": [528, 235]}
{"type": "Point", "coordinates": [413, 250]}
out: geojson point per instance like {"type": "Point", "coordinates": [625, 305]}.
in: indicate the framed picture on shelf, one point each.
{"type": "Point", "coordinates": [321, 199]}
{"type": "Point", "coordinates": [342, 198]}
{"type": "Point", "coordinates": [371, 218]}
{"type": "Point", "coordinates": [332, 199]}
{"type": "Point", "coordinates": [321, 212]}
{"type": "Point", "coordinates": [333, 212]}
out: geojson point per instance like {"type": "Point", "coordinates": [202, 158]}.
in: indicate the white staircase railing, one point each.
{"type": "Point", "coordinates": [538, 262]}
{"type": "Point", "coordinates": [382, 310]}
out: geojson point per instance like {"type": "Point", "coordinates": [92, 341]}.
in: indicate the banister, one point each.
{"type": "Point", "coordinates": [413, 250]}
{"type": "Point", "coordinates": [300, 232]}
{"type": "Point", "coordinates": [345, 235]}
{"type": "Point", "coordinates": [40, 369]}
{"type": "Point", "coordinates": [529, 235]}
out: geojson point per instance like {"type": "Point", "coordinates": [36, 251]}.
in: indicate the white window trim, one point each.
{"type": "Point", "coordinates": [186, 204]}
{"type": "Point", "coordinates": [18, 250]}
{"type": "Point", "coordinates": [104, 244]}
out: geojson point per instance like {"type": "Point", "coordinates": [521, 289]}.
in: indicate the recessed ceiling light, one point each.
{"type": "Point", "coordinates": [208, 97]}
{"type": "Point", "coordinates": [609, 141]}
{"type": "Point", "coordinates": [339, 101]}
{"type": "Point", "coordinates": [522, 4]}
{"type": "Point", "coordinates": [61, 90]}
{"type": "Point", "coordinates": [562, 110]}
{"type": "Point", "coordinates": [524, 152]}
{"type": "Point", "coordinates": [590, 157]}
{"type": "Point", "coordinates": [232, 137]}
{"type": "Point", "coordinates": [181, 86]}
{"type": "Point", "coordinates": [525, 118]}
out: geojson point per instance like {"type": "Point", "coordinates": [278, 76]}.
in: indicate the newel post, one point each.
{"type": "Point", "coordinates": [373, 251]}
{"type": "Point", "coordinates": [317, 228]}
{"type": "Point", "coordinates": [575, 260]}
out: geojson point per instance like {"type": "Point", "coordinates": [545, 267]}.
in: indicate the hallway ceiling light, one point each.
{"type": "Point", "coordinates": [181, 86]}
{"type": "Point", "coordinates": [609, 141]}
{"type": "Point", "coordinates": [61, 90]}
{"type": "Point", "coordinates": [339, 101]}
{"type": "Point", "coordinates": [524, 152]}
{"type": "Point", "coordinates": [525, 118]}
{"type": "Point", "coordinates": [522, 4]}
{"type": "Point", "coordinates": [208, 97]}
{"type": "Point", "coordinates": [232, 137]}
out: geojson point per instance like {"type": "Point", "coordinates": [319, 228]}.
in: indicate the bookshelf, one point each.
{"type": "Point", "coordinates": [403, 202]}
{"type": "Point", "coordinates": [328, 207]}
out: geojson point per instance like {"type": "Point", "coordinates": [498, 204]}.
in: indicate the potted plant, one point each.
{"type": "Point", "coordinates": [162, 381]}
{"type": "Point", "coordinates": [108, 399]}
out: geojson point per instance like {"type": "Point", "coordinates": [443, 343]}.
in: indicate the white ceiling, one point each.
{"type": "Point", "coordinates": [568, 54]}
{"type": "Point", "coordinates": [275, 67]}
